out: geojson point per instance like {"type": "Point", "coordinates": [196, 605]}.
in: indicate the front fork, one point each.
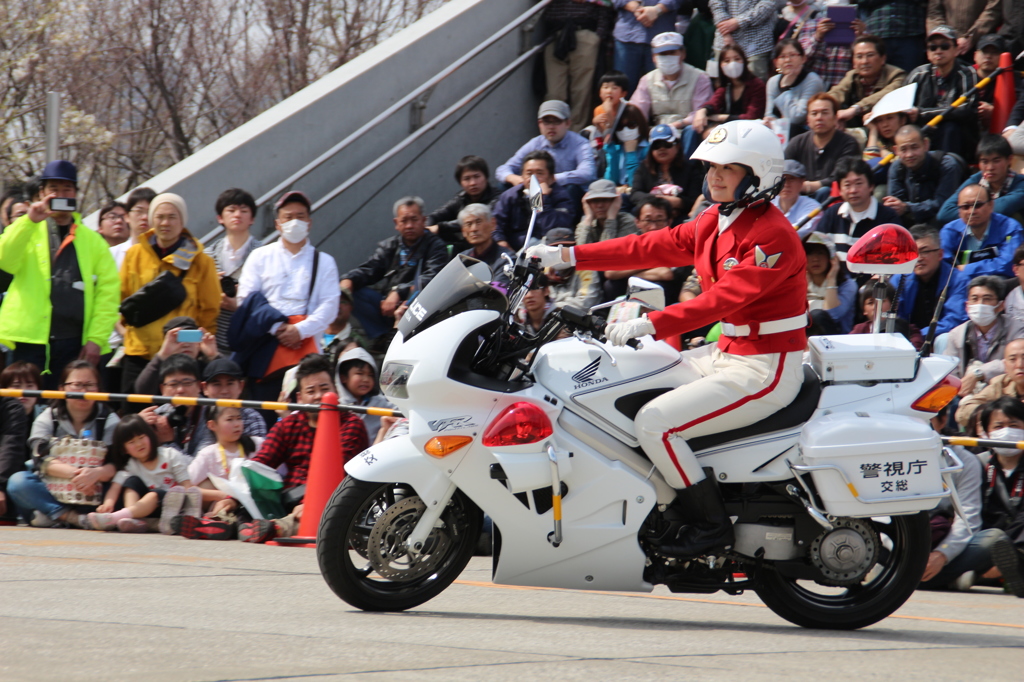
{"type": "Point", "coordinates": [430, 520]}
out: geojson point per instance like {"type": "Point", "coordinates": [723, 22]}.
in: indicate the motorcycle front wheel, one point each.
{"type": "Point", "coordinates": [887, 585]}
{"type": "Point", "coordinates": [361, 545]}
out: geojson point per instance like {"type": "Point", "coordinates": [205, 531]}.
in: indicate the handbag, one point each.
{"type": "Point", "coordinates": [77, 452]}
{"type": "Point", "coordinates": [155, 299]}
{"type": "Point", "coordinates": [285, 357]}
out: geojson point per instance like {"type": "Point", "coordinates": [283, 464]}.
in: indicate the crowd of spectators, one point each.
{"type": "Point", "coordinates": [632, 88]}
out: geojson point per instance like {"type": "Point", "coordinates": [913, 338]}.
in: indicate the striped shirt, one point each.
{"type": "Point", "coordinates": [756, 19]}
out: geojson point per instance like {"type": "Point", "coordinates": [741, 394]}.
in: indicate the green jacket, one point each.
{"type": "Point", "coordinates": [26, 311]}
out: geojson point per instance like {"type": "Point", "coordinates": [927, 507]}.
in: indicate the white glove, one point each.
{"type": "Point", "coordinates": [621, 332]}
{"type": "Point", "coordinates": [550, 256]}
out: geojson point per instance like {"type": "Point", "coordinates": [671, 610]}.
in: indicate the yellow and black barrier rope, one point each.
{"type": "Point", "coordinates": [197, 402]}
{"type": "Point", "coordinates": [969, 442]}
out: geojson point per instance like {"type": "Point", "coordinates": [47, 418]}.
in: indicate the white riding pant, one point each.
{"type": "Point", "coordinates": [733, 391]}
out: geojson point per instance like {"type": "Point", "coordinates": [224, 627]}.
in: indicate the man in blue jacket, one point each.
{"type": "Point", "coordinates": [919, 292]}
{"type": "Point", "coordinates": [512, 212]}
{"type": "Point", "coordinates": [987, 247]}
{"type": "Point", "coordinates": [1005, 186]}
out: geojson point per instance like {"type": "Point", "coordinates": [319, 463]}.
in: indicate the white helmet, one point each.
{"type": "Point", "coordinates": [751, 144]}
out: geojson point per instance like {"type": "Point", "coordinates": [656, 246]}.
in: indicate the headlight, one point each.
{"type": "Point", "coordinates": [394, 380]}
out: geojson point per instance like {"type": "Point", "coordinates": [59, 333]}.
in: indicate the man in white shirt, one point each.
{"type": "Point", "coordinates": [137, 204]}
{"type": "Point", "coordinates": [284, 273]}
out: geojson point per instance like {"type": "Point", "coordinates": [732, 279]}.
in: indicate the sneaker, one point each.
{"type": "Point", "coordinates": [203, 528]}
{"type": "Point", "coordinates": [193, 502]}
{"type": "Point", "coordinates": [259, 530]}
{"type": "Point", "coordinates": [171, 506]}
{"type": "Point", "coordinates": [965, 582]}
{"type": "Point", "coordinates": [286, 526]}
{"type": "Point", "coordinates": [132, 526]}
{"type": "Point", "coordinates": [101, 521]}
{"type": "Point", "coordinates": [41, 520]}
{"type": "Point", "coordinates": [1007, 559]}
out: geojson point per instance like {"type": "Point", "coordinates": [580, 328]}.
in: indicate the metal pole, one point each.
{"type": "Point", "coordinates": [52, 125]}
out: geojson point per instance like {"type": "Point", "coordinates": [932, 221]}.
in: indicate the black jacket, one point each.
{"type": "Point", "coordinates": [927, 100]}
{"type": "Point", "coordinates": [384, 271]}
{"type": "Point", "coordinates": [925, 190]}
{"type": "Point", "coordinates": [13, 438]}
{"type": "Point", "coordinates": [447, 217]}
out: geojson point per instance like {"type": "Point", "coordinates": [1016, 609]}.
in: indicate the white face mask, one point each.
{"type": "Point", "coordinates": [1007, 433]}
{"type": "Point", "coordinates": [294, 231]}
{"type": "Point", "coordinates": [667, 65]}
{"type": "Point", "coordinates": [981, 314]}
{"type": "Point", "coordinates": [732, 69]}
{"type": "Point", "coordinates": [627, 134]}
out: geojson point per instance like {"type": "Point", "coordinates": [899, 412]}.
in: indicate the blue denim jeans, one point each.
{"type": "Point", "coordinates": [977, 557]}
{"type": "Point", "coordinates": [366, 308]}
{"type": "Point", "coordinates": [29, 492]}
{"type": "Point", "coordinates": [634, 60]}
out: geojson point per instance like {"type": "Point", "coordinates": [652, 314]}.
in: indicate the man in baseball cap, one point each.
{"type": "Point", "coordinates": [574, 160]}
{"type": "Point", "coordinates": [602, 218]}
{"type": "Point", "coordinates": [674, 89]}
{"type": "Point", "coordinates": [62, 303]}
{"type": "Point", "coordinates": [793, 204]}
{"type": "Point", "coordinates": [941, 82]}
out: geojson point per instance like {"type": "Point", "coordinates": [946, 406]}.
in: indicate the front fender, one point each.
{"type": "Point", "coordinates": [397, 460]}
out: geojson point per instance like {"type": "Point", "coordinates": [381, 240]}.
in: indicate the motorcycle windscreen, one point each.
{"type": "Point", "coordinates": [463, 284]}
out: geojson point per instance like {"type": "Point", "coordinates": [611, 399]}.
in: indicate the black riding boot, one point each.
{"type": "Point", "coordinates": [698, 522]}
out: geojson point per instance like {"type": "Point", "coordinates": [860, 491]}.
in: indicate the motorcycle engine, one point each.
{"type": "Point", "coordinates": [845, 554]}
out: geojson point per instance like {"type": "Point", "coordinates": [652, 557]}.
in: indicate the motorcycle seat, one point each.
{"type": "Point", "coordinates": [794, 414]}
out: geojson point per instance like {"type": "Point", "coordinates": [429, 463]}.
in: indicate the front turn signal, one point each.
{"type": "Point", "coordinates": [442, 446]}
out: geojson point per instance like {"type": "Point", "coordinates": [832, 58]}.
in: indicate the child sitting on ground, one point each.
{"type": "Point", "coordinates": [226, 424]}
{"type": "Point", "coordinates": [154, 481]}
{"type": "Point", "coordinates": [357, 385]}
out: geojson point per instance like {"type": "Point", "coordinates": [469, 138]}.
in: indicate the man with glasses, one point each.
{"type": "Point", "coordinates": [137, 217]}
{"type": "Point", "coordinates": [941, 82]}
{"type": "Point", "coordinates": [919, 182]}
{"type": "Point", "coordinates": [113, 223]}
{"type": "Point", "coordinates": [654, 214]}
{"type": "Point", "coordinates": [1004, 186]}
{"type": "Point", "coordinates": [920, 290]}
{"type": "Point", "coordinates": [176, 425]}
{"type": "Point", "coordinates": [980, 242]}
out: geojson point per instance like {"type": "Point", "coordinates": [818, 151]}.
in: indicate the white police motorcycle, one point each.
{"type": "Point", "coordinates": [828, 496]}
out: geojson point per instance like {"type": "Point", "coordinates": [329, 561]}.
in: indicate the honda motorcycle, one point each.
{"type": "Point", "coordinates": [828, 496]}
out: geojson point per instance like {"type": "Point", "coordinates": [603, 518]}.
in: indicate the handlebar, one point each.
{"type": "Point", "coordinates": [577, 319]}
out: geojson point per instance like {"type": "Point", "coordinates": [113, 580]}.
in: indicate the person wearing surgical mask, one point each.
{"type": "Point", "coordinates": [991, 551]}
{"type": "Point", "coordinates": [740, 95]}
{"type": "Point", "coordinates": [980, 343]}
{"type": "Point", "coordinates": [627, 147]}
{"type": "Point", "coordinates": [671, 93]}
{"type": "Point", "coordinates": [297, 281]}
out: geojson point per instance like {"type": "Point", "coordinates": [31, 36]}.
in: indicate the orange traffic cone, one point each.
{"type": "Point", "coordinates": [326, 471]}
{"type": "Point", "coordinates": [1004, 95]}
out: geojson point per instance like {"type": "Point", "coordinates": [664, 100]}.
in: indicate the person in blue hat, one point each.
{"type": "Point", "coordinates": [63, 301]}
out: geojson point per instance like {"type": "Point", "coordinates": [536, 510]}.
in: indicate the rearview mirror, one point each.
{"type": "Point", "coordinates": [645, 293]}
{"type": "Point", "coordinates": [536, 195]}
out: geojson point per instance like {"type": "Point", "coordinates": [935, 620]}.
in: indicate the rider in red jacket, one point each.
{"type": "Point", "coordinates": [752, 270]}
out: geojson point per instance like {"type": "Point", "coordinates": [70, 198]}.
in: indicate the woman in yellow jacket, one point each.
{"type": "Point", "coordinates": [167, 246]}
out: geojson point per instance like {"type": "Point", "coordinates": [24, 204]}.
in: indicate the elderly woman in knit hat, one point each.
{"type": "Point", "coordinates": [167, 247]}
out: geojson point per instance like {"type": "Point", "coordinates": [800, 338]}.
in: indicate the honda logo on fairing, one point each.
{"type": "Point", "coordinates": [585, 377]}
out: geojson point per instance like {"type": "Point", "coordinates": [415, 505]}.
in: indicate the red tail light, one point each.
{"type": "Point", "coordinates": [940, 395]}
{"type": "Point", "coordinates": [518, 424]}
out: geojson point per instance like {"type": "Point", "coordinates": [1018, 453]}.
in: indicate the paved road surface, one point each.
{"type": "Point", "coordinates": [77, 605]}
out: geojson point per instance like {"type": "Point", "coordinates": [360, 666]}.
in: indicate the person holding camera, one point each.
{"type": "Point", "coordinates": [175, 425]}
{"type": "Point", "coordinates": [236, 211]}
{"type": "Point", "coordinates": [165, 275]}
{"type": "Point", "coordinates": [62, 302]}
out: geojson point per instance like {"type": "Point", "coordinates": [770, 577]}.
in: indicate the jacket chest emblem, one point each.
{"type": "Point", "coordinates": [763, 260]}
{"type": "Point", "coordinates": [730, 263]}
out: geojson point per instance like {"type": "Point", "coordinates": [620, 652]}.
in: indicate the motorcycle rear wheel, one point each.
{"type": "Point", "coordinates": [360, 545]}
{"type": "Point", "coordinates": [885, 588]}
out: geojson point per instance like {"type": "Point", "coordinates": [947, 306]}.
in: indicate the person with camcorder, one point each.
{"type": "Point", "coordinates": [62, 303]}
